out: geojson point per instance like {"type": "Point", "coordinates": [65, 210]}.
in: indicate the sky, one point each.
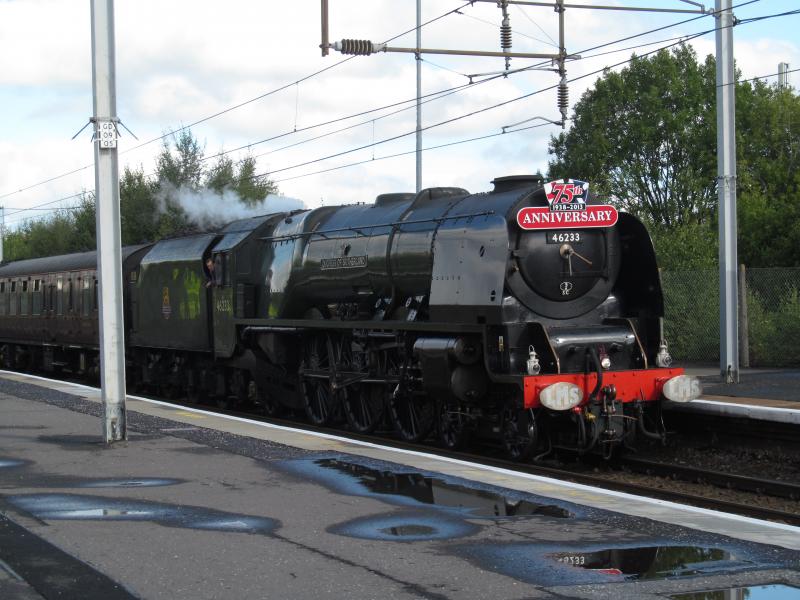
{"type": "Point", "coordinates": [326, 129]}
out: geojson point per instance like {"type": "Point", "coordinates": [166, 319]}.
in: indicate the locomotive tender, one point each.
{"type": "Point", "coordinates": [529, 315]}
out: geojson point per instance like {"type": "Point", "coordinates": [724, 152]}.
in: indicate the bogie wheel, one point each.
{"type": "Point", "coordinates": [520, 432]}
{"type": "Point", "coordinates": [453, 426]}
{"type": "Point", "coordinates": [364, 406]}
{"type": "Point", "coordinates": [413, 415]}
{"type": "Point", "coordinates": [320, 400]}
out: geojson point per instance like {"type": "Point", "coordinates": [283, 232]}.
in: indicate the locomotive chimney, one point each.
{"type": "Point", "coordinates": [517, 182]}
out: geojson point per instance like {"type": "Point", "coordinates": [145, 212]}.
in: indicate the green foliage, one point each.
{"type": "Point", "coordinates": [149, 207]}
{"type": "Point", "coordinates": [64, 232]}
{"type": "Point", "coordinates": [773, 316]}
{"type": "Point", "coordinates": [242, 178]}
{"type": "Point", "coordinates": [642, 136]}
{"type": "Point", "coordinates": [689, 246]}
{"type": "Point", "coordinates": [183, 166]}
{"type": "Point", "coordinates": [691, 314]}
{"type": "Point", "coordinates": [768, 169]}
{"type": "Point", "coordinates": [138, 207]}
{"type": "Point", "coordinates": [251, 187]}
{"type": "Point", "coordinates": [646, 137]}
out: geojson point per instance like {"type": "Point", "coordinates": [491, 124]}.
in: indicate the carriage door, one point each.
{"type": "Point", "coordinates": [224, 331]}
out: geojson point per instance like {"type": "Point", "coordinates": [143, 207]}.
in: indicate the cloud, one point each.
{"type": "Point", "coordinates": [180, 61]}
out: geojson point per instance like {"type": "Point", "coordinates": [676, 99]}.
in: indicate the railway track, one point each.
{"type": "Point", "coordinates": [718, 479]}
{"type": "Point", "coordinates": [778, 489]}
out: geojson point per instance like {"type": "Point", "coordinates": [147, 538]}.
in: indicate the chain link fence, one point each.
{"type": "Point", "coordinates": [769, 316]}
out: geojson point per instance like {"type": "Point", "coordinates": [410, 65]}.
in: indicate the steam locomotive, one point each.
{"type": "Point", "coordinates": [529, 316]}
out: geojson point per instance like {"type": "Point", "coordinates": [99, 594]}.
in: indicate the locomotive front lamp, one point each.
{"type": "Point", "coordinates": [683, 388]}
{"type": "Point", "coordinates": [561, 396]}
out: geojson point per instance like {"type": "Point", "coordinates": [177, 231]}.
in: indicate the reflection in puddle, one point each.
{"type": "Point", "coordinates": [546, 564]}
{"type": "Point", "coordinates": [758, 592]}
{"type": "Point", "coordinates": [430, 490]}
{"type": "Point", "coordinates": [75, 507]}
{"type": "Point", "coordinates": [10, 462]}
{"type": "Point", "coordinates": [128, 483]}
{"type": "Point", "coordinates": [650, 562]}
{"type": "Point", "coordinates": [406, 527]}
{"type": "Point", "coordinates": [409, 530]}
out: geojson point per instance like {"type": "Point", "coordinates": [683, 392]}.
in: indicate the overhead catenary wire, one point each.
{"type": "Point", "coordinates": [307, 77]}
{"type": "Point", "coordinates": [681, 38]}
{"type": "Point", "coordinates": [234, 107]}
{"type": "Point", "coordinates": [320, 71]}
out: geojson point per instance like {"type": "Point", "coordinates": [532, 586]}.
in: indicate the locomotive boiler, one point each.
{"type": "Point", "coordinates": [529, 315]}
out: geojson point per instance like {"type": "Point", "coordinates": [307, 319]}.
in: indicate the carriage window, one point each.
{"type": "Point", "coordinates": [95, 304]}
{"type": "Point", "coordinates": [36, 304]}
{"type": "Point", "coordinates": [86, 297]}
{"type": "Point", "coordinates": [24, 298]}
{"type": "Point", "coordinates": [59, 297]}
{"type": "Point", "coordinates": [13, 302]}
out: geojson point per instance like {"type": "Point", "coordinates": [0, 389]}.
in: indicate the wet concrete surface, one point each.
{"type": "Point", "coordinates": [185, 512]}
{"type": "Point", "coordinates": [779, 384]}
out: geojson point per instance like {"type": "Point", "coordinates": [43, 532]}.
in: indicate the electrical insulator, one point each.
{"type": "Point", "coordinates": [505, 35]}
{"type": "Point", "coordinates": [358, 47]}
{"type": "Point", "coordinates": [563, 98]}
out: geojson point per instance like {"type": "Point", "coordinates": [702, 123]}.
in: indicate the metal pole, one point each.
{"type": "Point", "coordinates": [726, 184]}
{"type": "Point", "coordinates": [109, 253]}
{"type": "Point", "coordinates": [2, 230]}
{"type": "Point", "coordinates": [324, 21]}
{"type": "Point", "coordinates": [419, 96]}
{"type": "Point", "coordinates": [744, 323]}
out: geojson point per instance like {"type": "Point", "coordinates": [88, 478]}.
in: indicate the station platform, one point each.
{"type": "Point", "coordinates": [200, 505]}
{"type": "Point", "coordinates": [761, 394]}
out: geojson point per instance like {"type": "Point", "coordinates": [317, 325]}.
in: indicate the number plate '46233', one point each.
{"type": "Point", "coordinates": [563, 237]}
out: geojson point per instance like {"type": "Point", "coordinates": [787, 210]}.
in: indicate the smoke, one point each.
{"type": "Point", "coordinates": [211, 210]}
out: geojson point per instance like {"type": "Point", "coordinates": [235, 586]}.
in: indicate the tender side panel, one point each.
{"type": "Point", "coordinates": [170, 300]}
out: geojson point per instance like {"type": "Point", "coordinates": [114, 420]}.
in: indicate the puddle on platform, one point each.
{"type": "Point", "coordinates": [758, 592]}
{"type": "Point", "coordinates": [649, 562]}
{"type": "Point", "coordinates": [76, 507]}
{"type": "Point", "coordinates": [548, 565]}
{"type": "Point", "coordinates": [127, 483]}
{"type": "Point", "coordinates": [406, 527]}
{"type": "Point", "coordinates": [437, 492]}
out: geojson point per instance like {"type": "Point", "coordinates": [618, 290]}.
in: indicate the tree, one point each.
{"type": "Point", "coordinates": [242, 178]}
{"type": "Point", "coordinates": [252, 188]}
{"type": "Point", "coordinates": [150, 209]}
{"type": "Point", "coordinates": [138, 207]}
{"type": "Point", "coordinates": [768, 142]}
{"type": "Point", "coordinates": [184, 166]}
{"type": "Point", "coordinates": [645, 137]}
